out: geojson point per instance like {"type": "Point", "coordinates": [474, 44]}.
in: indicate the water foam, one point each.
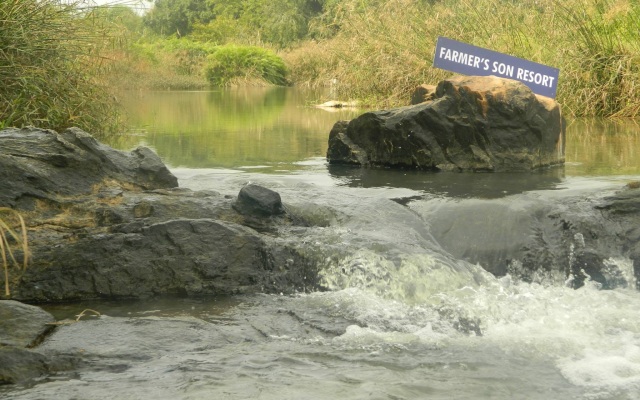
{"type": "Point", "coordinates": [592, 336]}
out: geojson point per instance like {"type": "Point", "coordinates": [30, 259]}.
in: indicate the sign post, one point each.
{"type": "Point", "coordinates": [466, 59]}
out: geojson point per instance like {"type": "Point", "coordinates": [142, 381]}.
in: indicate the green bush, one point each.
{"type": "Point", "coordinates": [232, 64]}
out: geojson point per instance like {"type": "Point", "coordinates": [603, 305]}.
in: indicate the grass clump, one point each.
{"type": "Point", "coordinates": [231, 64]}
{"type": "Point", "coordinates": [10, 238]}
{"type": "Point", "coordinates": [50, 67]}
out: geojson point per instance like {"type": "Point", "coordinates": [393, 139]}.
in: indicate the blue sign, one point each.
{"type": "Point", "coordinates": [466, 59]}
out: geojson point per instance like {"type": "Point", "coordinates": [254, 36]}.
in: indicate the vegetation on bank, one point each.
{"type": "Point", "coordinates": [50, 67]}
{"type": "Point", "coordinates": [61, 62]}
{"type": "Point", "coordinates": [382, 53]}
{"type": "Point", "coordinates": [379, 51]}
{"type": "Point", "coordinates": [230, 62]}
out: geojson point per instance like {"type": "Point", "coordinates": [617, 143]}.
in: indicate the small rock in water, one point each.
{"type": "Point", "coordinates": [258, 201]}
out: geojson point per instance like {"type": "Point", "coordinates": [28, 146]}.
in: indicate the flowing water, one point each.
{"type": "Point", "coordinates": [404, 319]}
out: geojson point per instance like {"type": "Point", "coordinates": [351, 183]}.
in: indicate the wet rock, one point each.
{"type": "Point", "coordinates": [20, 365]}
{"type": "Point", "coordinates": [572, 237]}
{"type": "Point", "coordinates": [24, 366]}
{"type": "Point", "coordinates": [473, 124]}
{"type": "Point", "coordinates": [108, 224]}
{"type": "Point", "coordinates": [625, 202]}
{"type": "Point", "coordinates": [635, 258]}
{"type": "Point", "coordinates": [148, 243]}
{"type": "Point", "coordinates": [589, 265]}
{"type": "Point", "coordinates": [22, 325]}
{"type": "Point", "coordinates": [258, 201]}
{"type": "Point", "coordinates": [182, 256]}
{"type": "Point", "coordinates": [42, 164]}
{"type": "Point", "coordinates": [143, 209]}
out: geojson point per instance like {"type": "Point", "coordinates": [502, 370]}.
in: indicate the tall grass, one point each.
{"type": "Point", "coordinates": [604, 78]}
{"type": "Point", "coordinates": [382, 52]}
{"type": "Point", "coordinates": [50, 67]}
{"type": "Point", "coordinates": [10, 238]}
{"type": "Point", "coordinates": [159, 64]}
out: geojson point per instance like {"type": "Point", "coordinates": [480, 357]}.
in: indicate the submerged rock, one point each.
{"type": "Point", "coordinates": [472, 124]}
{"type": "Point", "coordinates": [20, 365]}
{"type": "Point", "coordinates": [575, 238]}
{"type": "Point", "coordinates": [22, 325]}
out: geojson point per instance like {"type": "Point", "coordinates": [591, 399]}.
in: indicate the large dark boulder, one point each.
{"type": "Point", "coordinates": [142, 259]}
{"type": "Point", "coordinates": [43, 164]}
{"type": "Point", "coordinates": [472, 124]}
{"type": "Point", "coordinates": [129, 244]}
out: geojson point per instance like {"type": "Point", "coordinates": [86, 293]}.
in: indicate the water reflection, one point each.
{"type": "Point", "coordinates": [598, 147]}
{"type": "Point", "coordinates": [276, 130]}
{"type": "Point", "coordinates": [247, 127]}
{"type": "Point", "coordinates": [451, 184]}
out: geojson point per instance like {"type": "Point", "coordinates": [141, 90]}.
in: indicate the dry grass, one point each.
{"type": "Point", "coordinates": [380, 54]}
{"type": "Point", "coordinates": [50, 67]}
{"type": "Point", "coordinates": [13, 234]}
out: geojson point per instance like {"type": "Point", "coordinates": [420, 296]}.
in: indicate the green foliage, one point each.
{"type": "Point", "coordinates": [276, 23]}
{"type": "Point", "coordinates": [177, 17]}
{"type": "Point", "coordinates": [50, 62]}
{"type": "Point", "coordinates": [221, 30]}
{"type": "Point", "coordinates": [120, 17]}
{"type": "Point", "coordinates": [246, 63]}
{"type": "Point", "coordinates": [10, 238]}
{"type": "Point", "coordinates": [279, 23]}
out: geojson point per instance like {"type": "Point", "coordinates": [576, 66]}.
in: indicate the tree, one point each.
{"type": "Point", "coordinates": [169, 17]}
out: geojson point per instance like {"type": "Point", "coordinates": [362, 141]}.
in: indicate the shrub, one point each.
{"type": "Point", "coordinates": [230, 64]}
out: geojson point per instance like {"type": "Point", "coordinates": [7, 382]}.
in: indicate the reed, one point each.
{"type": "Point", "coordinates": [381, 52]}
{"type": "Point", "coordinates": [602, 68]}
{"type": "Point", "coordinates": [159, 64]}
{"type": "Point", "coordinates": [10, 238]}
{"type": "Point", "coordinates": [50, 67]}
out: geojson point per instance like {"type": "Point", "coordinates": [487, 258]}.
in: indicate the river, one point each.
{"type": "Point", "coordinates": [403, 318]}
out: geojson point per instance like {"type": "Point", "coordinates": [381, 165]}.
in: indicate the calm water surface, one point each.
{"type": "Point", "coordinates": [387, 329]}
{"type": "Point", "coordinates": [278, 129]}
